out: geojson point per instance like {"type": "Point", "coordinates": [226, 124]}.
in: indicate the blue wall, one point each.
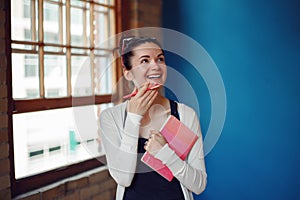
{"type": "Point", "coordinates": [256, 46]}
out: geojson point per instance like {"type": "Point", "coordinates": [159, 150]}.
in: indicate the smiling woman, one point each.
{"type": "Point", "coordinates": [149, 65]}
{"type": "Point", "coordinates": [132, 128]}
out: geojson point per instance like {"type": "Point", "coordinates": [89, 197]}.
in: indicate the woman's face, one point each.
{"type": "Point", "coordinates": [148, 65]}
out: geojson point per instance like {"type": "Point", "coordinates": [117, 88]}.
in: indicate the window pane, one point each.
{"type": "Point", "coordinates": [21, 22]}
{"type": "Point", "coordinates": [23, 46]}
{"type": "Point", "coordinates": [55, 76]}
{"type": "Point", "coordinates": [53, 49]}
{"type": "Point", "coordinates": [101, 22]}
{"type": "Point", "coordinates": [51, 23]}
{"type": "Point", "coordinates": [104, 27]}
{"type": "Point", "coordinates": [108, 2]}
{"type": "Point", "coordinates": [51, 139]}
{"type": "Point", "coordinates": [77, 3]}
{"type": "Point", "coordinates": [25, 79]}
{"type": "Point", "coordinates": [79, 51]}
{"type": "Point", "coordinates": [47, 140]}
{"type": "Point", "coordinates": [27, 9]}
{"type": "Point", "coordinates": [81, 76]}
{"type": "Point", "coordinates": [80, 26]}
{"type": "Point", "coordinates": [103, 73]}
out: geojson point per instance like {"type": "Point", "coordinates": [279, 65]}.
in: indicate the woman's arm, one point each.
{"type": "Point", "coordinates": [191, 172]}
{"type": "Point", "coordinates": [120, 145]}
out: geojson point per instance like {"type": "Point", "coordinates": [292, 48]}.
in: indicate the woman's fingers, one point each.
{"type": "Point", "coordinates": [142, 90]}
{"type": "Point", "coordinates": [155, 142]}
{"type": "Point", "coordinates": [142, 101]}
{"type": "Point", "coordinates": [149, 99]}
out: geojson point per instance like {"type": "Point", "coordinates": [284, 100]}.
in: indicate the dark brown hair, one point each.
{"type": "Point", "coordinates": [128, 43]}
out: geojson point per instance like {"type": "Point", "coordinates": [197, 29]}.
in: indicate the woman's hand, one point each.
{"type": "Point", "coordinates": [142, 101]}
{"type": "Point", "coordinates": [155, 142]}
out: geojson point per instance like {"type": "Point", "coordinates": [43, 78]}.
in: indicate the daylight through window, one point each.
{"type": "Point", "coordinates": [56, 57]}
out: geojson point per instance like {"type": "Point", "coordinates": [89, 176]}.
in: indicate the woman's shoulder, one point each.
{"type": "Point", "coordinates": [185, 109]}
{"type": "Point", "coordinates": [188, 116]}
{"type": "Point", "coordinates": [118, 109]}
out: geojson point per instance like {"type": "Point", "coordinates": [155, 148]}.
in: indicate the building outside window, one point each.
{"type": "Point", "coordinates": [56, 57]}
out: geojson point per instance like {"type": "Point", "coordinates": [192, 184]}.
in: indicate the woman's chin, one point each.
{"type": "Point", "coordinates": [155, 81]}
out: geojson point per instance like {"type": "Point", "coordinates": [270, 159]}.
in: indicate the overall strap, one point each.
{"type": "Point", "coordinates": [174, 111]}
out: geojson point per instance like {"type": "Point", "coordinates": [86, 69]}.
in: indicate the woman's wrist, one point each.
{"type": "Point", "coordinates": [134, 118]}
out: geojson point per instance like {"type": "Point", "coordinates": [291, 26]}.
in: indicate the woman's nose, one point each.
{"type": "Point", "coordinates": [154, 65]}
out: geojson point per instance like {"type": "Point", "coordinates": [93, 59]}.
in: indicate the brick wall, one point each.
{"type": "Point", "coordinates": [92, 185]}
{"type": "Point", "coordinates": [4, 147]}
{"type": "Point", "coordinates": [98, 185]}
{"type": "Point", "coordinates": [142, 13]}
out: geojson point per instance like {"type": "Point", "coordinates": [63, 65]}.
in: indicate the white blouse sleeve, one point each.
{"type": "Point", "coordinates": [190, 172]}
{"type": "Point", "coordinates": [120, 145]}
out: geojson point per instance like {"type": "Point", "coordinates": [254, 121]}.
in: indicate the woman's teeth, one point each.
{"type": "Point", "coordinates": [153, 76]}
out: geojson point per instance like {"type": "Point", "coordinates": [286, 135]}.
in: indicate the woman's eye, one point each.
{"type": "Point", "coordinates": [144, 61]}
{"type": "Point", "coordinates": [161, 60]}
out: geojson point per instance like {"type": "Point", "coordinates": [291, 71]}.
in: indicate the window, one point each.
{"type": "Point", "coordinates": [58, 69]}
{"type": "Point", "coordinates": [31, 66]}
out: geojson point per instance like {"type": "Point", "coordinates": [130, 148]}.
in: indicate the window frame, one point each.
{"type": "Point", "coordinates": [23, 185]}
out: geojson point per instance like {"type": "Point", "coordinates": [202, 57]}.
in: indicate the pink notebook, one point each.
{"type": "Point", "coordinates": [179, 137]}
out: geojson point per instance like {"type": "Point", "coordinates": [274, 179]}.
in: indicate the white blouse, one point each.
{"type": "Point", "coordinates": [119, 135]}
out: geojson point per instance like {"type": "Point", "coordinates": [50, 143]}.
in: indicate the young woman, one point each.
{"type": "Point", "coordinates": [132, 128]}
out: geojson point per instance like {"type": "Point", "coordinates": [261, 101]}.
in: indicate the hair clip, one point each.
{"type": "Point", "coordinates": [123, 47]}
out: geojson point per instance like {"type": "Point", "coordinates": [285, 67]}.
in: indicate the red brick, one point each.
{"type": "Point", "coordinates": [2, 33]}
{"type": "Point", "coordinates": [3, 91]}
{"type": "Point", "coordinates": [2, 76]}
{"type": "Point", "coordinates": [2, 44]}
{"type": "Point", "coordinates": [134, 23]}
{"type": "Point", "coordinates": [99, 177]}
{"type": "Point", "coordinates": [54, 193]}
{"type": "Point", "coordinates": [4, 182]}
{"type": "Point", "coordinates": [103, 196]}
{"type": "Point", "coordinates": [36, 196]}
{"type": "Point", "coordinates": [76, 184]}
{"type": "Point", "coordinates": [3, 105]}
{"type": "Point", "coordinates": [5, 194]}
{"type": "Point", "coordinates": [110, 184]}
{"type": "Point", "coordinates": [4, 167]}
{"type": "Point", "coordinates": [4, 150]}
{"type": "Point", "coordinates": [149, 13]}
{"type": "Point", "coordinates": [3, 121]}
{"type": "Point", "coordinates": [2, 16]}
{"type": "Point", "coordinates": [2, 5]}
{"type": "Point", "coordinates": [88, 192]}
{"type": "Point", "coordinates": [133, 5]}
{"type": "Point", "coordinates": [3, 62]}
{"type": "Point", "coordinates": [148, 6]}
{"type": "Point", "coordinates": [113, 193]}
{"type": "Point", "coordinates": [3, 135]}
{"type": "Point", "coordinates": [71, 196]}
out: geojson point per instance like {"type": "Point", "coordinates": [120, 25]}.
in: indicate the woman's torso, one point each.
{"type": "Point", "coordinates": [148, 184]}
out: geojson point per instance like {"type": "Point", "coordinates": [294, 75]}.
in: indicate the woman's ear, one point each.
{"type": "Point", "coordinates": [128, 74]}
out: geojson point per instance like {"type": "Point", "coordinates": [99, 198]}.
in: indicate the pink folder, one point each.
{"type": "Point", "coordinates": [180, 139]}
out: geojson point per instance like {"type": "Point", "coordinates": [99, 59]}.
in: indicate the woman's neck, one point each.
{"type": "Point", "coordinates": [160, 106]}
{"type": "Point", "coordinates": [155, 116]}
{"type": "Point", "coordinates": [162, 101]}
